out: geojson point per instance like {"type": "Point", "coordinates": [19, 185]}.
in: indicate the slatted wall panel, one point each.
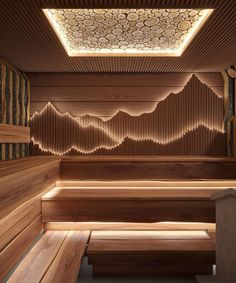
{"type": "Point", "coordinates": [34, 47]}
{"type": "Point", "coordinates": [187, 121]}
{"type": "Point", "coordinates": [14, 107]}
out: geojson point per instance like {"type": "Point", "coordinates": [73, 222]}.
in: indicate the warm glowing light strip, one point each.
{"type": "Point", "coordinates": [194, 31]}
{"type": "Point", "coordinates": [109, 137]}
{"type": "Point", "coordinates": [118, 140]}
{"type": "Point", "coordinates": [155, 226]}
{"type": "Point", "coordinates": [50, 150]}
{"type": "Point", "coordinates": [143, 187]}
{"type": "Point", "coordinates": [131, 51]}
{"type": "Point", "coordinates": [162, 234]}
{"type": "Point", "coordinates": [137, 183]}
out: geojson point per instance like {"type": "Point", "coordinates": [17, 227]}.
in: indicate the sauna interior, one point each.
{"type": "Point", "coordinates": [117, 141]}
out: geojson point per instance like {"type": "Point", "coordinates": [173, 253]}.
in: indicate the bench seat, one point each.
{"type": "Point", "coordinates": [56, 257]}
{"type": "Point", "coordinates": [147, 253]}
{"type": "Point", "coordinates": [131, 201]}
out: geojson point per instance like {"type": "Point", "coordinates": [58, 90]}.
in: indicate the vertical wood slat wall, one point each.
{"type": "Point", "coordinates": [14, 107]}
{"type": "Point", "coordinates": [161, 114]}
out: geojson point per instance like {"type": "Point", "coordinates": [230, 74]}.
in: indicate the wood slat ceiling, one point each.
{"type": "Point", "coordinates": [29, 42]}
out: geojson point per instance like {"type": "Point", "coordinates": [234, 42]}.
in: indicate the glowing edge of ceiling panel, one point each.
{"type": "Point", "coordinates": [131, 53]}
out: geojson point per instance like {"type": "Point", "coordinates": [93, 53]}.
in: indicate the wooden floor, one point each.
{"type": "Point", "coordinates": [132, 201]}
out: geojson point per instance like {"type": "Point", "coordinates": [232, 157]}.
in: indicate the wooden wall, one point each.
{"type": "Point", "coordinates": [22, 183]}
{"type": "Point", "coordinates": [14, 110]}
{"type": "Point", "coordinates": [127, 114]}
{"type": "Point", "coordinates": [147, 168]}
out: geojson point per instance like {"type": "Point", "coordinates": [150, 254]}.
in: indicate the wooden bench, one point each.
{"type": "Point", "coordinates": [56, 257]}
{"type": "Point", "coordinates": [22, 183]}
{"type": "Point", "coordinates": [131, 201]}
{"type": "Point", "coordinates": [148, 253]}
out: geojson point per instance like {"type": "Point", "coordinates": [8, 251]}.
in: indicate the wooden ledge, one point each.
{"type": "Point", "coordinates": [130, 193]}
{"type": "Point", "coordinates": [14, 134]}
{"type": "Point", "coordinates": [146, 159]}
{"type": "Point", "coordinates": [8, 167]}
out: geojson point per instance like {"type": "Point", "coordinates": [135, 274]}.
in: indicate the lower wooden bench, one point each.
{"type": "Point", "coordinates": [55, 258]}
{"type": "Point", "coordinates": [146, 253]}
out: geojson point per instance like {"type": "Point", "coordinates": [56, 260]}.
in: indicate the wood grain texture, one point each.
{"type": "Point", "coordinates": [18, 247]}
{"type": "Point", "coordinates": [131, 193]}
{"type": "Point", "coordinates": [143, 168]}
{"type": "Point", "coordinates": [79, 94]}
{"type": "Point", "coordinates": [97, 80]}
{"type": "Point", "coordinates": [22, 185]}
{"type": "Point", "coordinates": [39, 259]}
{"type": "Point", "coordinates": [161, 245]}
{"type": "Point", "coordinates": [185, 120]}
{"type": "Point", "coordinates": [128, 210]}
{"type": "Point", "coordinates": [14, 115]}
{"type": "Point", "coordinates": [14, 134]}
{"type": "Point", "coordinates": [13, 166]}
{"type": "Point", "coordinates": [99, 94]}
{"type": "Point", "coordinates": [56, 257]}
{"type": "Point", "coordinates": [18, 220]}
{"type": "Point", "coordinates": [156, 253]}
{"type": "Point", "coordinates": [66, 265]}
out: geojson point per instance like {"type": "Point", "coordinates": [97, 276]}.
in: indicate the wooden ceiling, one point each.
{"type": "Point", "coordinates": [29, 42]}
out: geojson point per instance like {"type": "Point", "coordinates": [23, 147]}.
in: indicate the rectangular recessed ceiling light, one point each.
{"type": "Point", "coordinates": [126, 32]}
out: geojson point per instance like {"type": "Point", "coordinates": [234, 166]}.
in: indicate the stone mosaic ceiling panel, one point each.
{"type": "Point", "coordinates": [126, 32]}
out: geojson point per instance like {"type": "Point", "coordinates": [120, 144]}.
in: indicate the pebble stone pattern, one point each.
{"type": "Point", "coordinates": [94, 30]}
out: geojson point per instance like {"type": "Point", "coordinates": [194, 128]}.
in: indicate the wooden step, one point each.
{"type": "Point", "coordinates": [185, 202]}
{"type": "Point", "coordinates": [184, 193]}
{"type": "Point", "coordinates": [151, 252]}
{"type": "Point", "coordinates": [55, 258]}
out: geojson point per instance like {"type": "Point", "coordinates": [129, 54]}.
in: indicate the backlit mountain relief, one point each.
{"type": "Point", "coordinates": [186, 123]}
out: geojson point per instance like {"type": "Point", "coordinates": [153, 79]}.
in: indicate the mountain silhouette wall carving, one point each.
{"type": "Point", "coordinates": [189, 122]}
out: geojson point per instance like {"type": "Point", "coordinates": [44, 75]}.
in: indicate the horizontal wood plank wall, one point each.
{"type": "Point", "coordinates": [14, 134]}
{"type": "Point", "coordinates": [184, 114]}
{"type": "Point", "coordinates": [147, 168]}
{"type": "Point", "coordinates": [19, 246]}
{"type": "Point", "coordinates": [18, 220]}
{"type": "Point", "coordinates": [14, 110]}
{"type": "Point", "coordinates": [22, 183]}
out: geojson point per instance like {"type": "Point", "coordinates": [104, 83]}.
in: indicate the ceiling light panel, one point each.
{"type": "Point", "coordinates": [126, 32]}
